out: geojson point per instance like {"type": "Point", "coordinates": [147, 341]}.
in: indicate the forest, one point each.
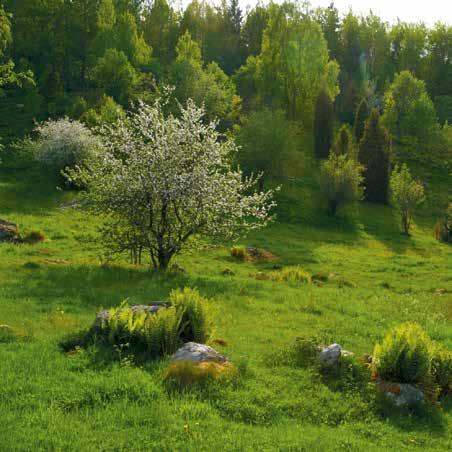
{"type": "Point", "coordinates": [224, 228]}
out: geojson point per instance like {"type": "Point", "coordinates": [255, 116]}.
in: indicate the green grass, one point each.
{"type": "Point", "coordinates": [93, 400]}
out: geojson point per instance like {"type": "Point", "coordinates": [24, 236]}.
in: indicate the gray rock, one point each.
{"type": "Point", "coordinates": [151, 308]}
{"type": "Point", "coordinates": [404, 395]}
{"type": "Point", "coordinates": [331, 355]}
{"type": "Point", "coordinates": [198, 353]}
{"type": "Point", "coordinates": [9, 232]}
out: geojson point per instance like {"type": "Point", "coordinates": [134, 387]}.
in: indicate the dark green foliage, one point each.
{"type": "Point", "coordinates": [323, 125]}
{"type": "Point", "coordinates": [374, 156]}
{"type": "Point", "coordinates": [442, 370]}
{"type": "Point", "coordinates": [266, 142]}
{"type": "Point", "coordinates": [362, 114]}
{"type": "Point", "coordinates": [343, 143]}
{"type": "Point", "coordinates": [305, 350]}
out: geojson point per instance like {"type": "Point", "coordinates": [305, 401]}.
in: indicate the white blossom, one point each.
{"type": "Point", "coordinates": [168, 178]}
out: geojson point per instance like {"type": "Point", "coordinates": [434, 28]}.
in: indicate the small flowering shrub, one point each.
{"type": "Point", "coordinates": [404, 356]}
{"type": "Point", "coordinates": [64, 144]}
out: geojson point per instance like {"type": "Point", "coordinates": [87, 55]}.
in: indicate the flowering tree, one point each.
{"type": "Point", "coordinates": [162, 179]}
{"type": "Point", "coordinates": [63, 144]}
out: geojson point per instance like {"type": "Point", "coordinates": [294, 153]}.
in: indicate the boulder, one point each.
{"type": "Point", "coordinates": [151, 308]}
{"type": "Point", "coordinates": [9, 232]}
{"type": "Point", "coordinates": [331, 355]}
{"type": "Point", "coordinates": [402, 394]}
{"type": "Point", "coordinates": [198, 353]}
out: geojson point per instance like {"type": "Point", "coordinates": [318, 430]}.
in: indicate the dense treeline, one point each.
{"type": "Point", "coordinates": [91, 59]}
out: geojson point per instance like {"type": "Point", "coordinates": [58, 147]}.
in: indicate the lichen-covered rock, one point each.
{"type": "Point", "coordinates": [151, 308]}
{"type": "Point", "coordinates": [9, 232]}
{"type": "Point", "coordinates": [331, 355]}
{"type": "Point", "coordinates": [198, 353]}
{"type": "Point", "coordinates": [402, 394]}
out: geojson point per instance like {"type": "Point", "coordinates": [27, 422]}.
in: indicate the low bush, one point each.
{"type": "Point", "coordinates": [162, 332]}
{"type": "Point", "coordinates": [182, 375]}
{"type": "Point", "coordinates": [33, 237]}
{"type": "Point", "coordinates": [442, 370]}
{"type": "Point", "coordinates": [7, 334]}
{"type": "Point", "coordinates": [404, 356]}
{"type": "Point", "coordinates": [305, 349]}
{"type": "Point", "coordinates": [320, 277]}
{"type": "Point", "coordinates": [195, 324]}
{"type": "Point", "coordinates": [239, 252]}
{"type": "Point", "coordinates": [293, 275]}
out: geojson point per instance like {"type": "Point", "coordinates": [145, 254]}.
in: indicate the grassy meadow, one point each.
{"type": "Point", "coordinates": [90, 400]}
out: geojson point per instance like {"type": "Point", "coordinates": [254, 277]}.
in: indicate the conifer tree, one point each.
{"type": "Point", "coordinates": [360, 119]}
{"type": "Point", "coordinates": [343, 143]}
{"type": "Point", "coordinates": [373, 155]}
{"type": "Point", "coordinates": [323, 125]}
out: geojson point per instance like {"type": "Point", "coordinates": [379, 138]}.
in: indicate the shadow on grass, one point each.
{"type": "Point", "coordinates": [78, 288]}
{"type": "Point", "coordinates": [422, 418]}
{"type": "Point", "coordinates": [28, 191]}
{"type": "Point", "coordinates": [382, 223]}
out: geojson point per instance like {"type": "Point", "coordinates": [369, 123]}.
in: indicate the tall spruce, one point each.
{"type": "Point", "coordinates": [343, 143]}
{"type": "Point", "coordinates": [374, 156]}
{"type": "Point", "coordinates": [362, 113]}
{"type": "Point", "coordinates": [323, 125]}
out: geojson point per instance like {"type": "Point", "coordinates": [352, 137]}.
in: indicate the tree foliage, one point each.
{"type": "Point", "coordinates": [340, 181]}
{"type": "Point", "coordinates": [406, 195]}
{"type": "Point", "coordinates": [374, 156]}
{"type": "Point", "coordinates": [323, 125]}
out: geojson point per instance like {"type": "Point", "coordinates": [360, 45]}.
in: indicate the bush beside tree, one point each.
{"type": "Point", "coordinates": [406, 195]}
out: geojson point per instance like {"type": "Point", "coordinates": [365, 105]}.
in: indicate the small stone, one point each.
{"type": "Point", "coordinates": [9, 232]}
{"type": "Point", "coordinates": [402, 394]}
{"type": "Point", "coordinates": [198, 353]}
{"type": "Point", "coordinates": [330, 355]}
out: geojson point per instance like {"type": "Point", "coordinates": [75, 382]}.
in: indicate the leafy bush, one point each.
{"type": "Point", "coordinates": [294, 275]}
{"type": "Point", "coordinates": [404, 356]}
{"type": "Point", "coordinates": [33, 237]}
{"type": "Point", "coordinates": [406, 195]}
{"type": "Point", "coordinates": [160, 333]}
{"type": "Point", "coordinates": [64, 144]}
{"type": "Point", "coordinates": [340, 181]}
{"type": "Point", "coordinates": [442, 370]}
{"type": "Point", "coordinates": [305, 349]}
{"type": "Point", "coordinates": [182, 375]}
{"type": "Point", "coordinates": [239, 252]}
{"type": "Point", "coordinates": [194, 321]}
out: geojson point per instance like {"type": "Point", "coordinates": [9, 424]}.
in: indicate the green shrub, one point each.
{"type": "Point", "coordinates": [239, 252]}
{"type": "Point", "coordinates": [194, 320]}
{"type": "Point", "coordinates": [33, 237]}
{"type": "Point", "coordinates": [293, 275]}
{"type": "Point", "coordinates": [442, 370]}
{"type": "Point", "coordinates": [7, 334]}
{"type": "Point", "coordinates": [305, 349]}
{"type": "Point", "coordinates": [160, 333]}
{"type": "Point", "coordinates": [404, 356]}
{"type": "Point", "coordinates": [320, 277]}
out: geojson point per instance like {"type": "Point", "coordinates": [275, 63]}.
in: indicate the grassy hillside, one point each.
{"type": "Point", "coordinates": [87, 401]}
